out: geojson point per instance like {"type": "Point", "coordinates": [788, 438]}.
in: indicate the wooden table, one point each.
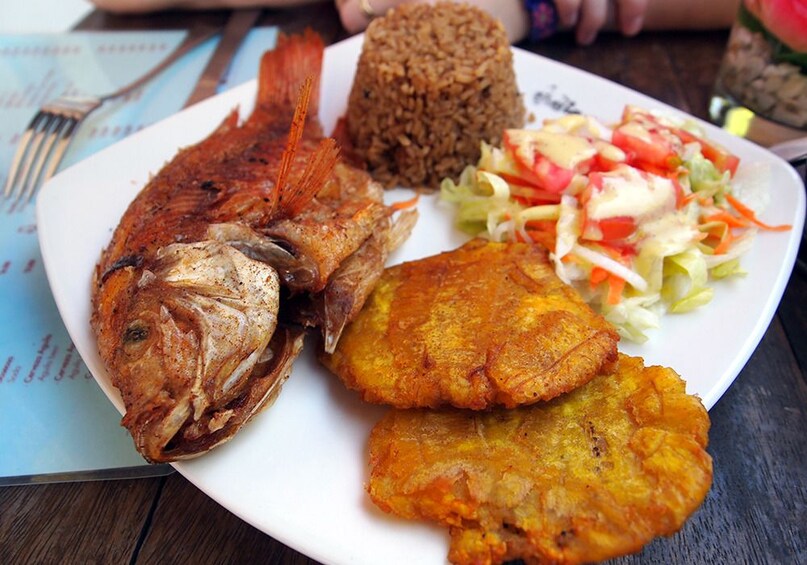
{"type": "Point", "coordinates": [756, 511]}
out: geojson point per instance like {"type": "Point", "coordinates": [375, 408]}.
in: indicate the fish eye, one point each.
{"type": "Point", "coordinates": [135, 333]}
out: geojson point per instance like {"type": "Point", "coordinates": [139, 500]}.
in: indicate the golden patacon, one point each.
{"type": "Point", "coordinates": [487, 324]}
{"type": "Point", "coordinates": [594, 474]}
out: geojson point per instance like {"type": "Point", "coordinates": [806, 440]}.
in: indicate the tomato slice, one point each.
{"type": "Point", "coordinates": [651, 145]}
{"type": "Point", "coordinates": [721, 157]}
{"type": "Point", "coordinates": [594, 184]}
{"type": "Point", "coordinates": [652, 152]}
{"type": "Point", "coordinates": [527, 193]}
{"type": "Point", "coordinates": [604, 164]}
{"type": "Point", "coordinates": [538, 169]}
{"type": "Point", "coordinates": [550, 176]}
{"type": "Point", "coordinates": [605, 229]}
{"type": "Point", "coordinates": [609, 230]}
{"type": "Point", "coordinates": [618, 227]}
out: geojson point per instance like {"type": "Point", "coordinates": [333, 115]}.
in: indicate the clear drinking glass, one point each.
{"type": "Point", "coordinates": [761, 88]}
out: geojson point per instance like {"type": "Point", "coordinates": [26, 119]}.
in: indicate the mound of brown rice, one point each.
{"type": "Point", "coordinates": [432, 82]}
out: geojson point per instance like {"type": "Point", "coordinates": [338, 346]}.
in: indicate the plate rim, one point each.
{"type": "Point", "coordinates": [243, 91]}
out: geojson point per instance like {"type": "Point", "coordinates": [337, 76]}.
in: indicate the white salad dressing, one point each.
{"type": "Point", "coordinates": [626, 192]}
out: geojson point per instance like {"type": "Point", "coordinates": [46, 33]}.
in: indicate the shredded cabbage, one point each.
{"type": "Point", "coordinates": [644, 260]}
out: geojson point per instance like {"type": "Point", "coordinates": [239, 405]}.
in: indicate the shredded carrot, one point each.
{"type": "Point", "coordinates": [619, 254]}
{"type": "Point", "coordinates": [615, 254]}
{"type": "Point", "coordinates": [728, 219]}
{"type": "Point", "coordinates": [598, 275]}
{"type": "Point", "coordinates": [615, 287]}
{"type": "Point", "coordinates": [688, 199]}
{"type": "Point", "coordinates": [749, 214]}
{"type": "Point", "coordinates": [541, 225]}
{"type": "Point", "coordinates": [544, 237]}
{"type": "Point", "coordinates": [725, 243]}
{"type": "Point", "coordinates": [541, 231]}
{"type": "Point", "coordinates": [404, 204]}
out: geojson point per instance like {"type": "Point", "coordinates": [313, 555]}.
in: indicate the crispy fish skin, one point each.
{"type": "Point", "coordinates": [488, 324]}
{"type": "Point", "coordinates": [349, 286]}
{"type": "Point", "coordinates": [592, 475]}
{"type": "Point", "coordinates": [186, 298]}
{"type": "Point", "coordinates": [186, 325]}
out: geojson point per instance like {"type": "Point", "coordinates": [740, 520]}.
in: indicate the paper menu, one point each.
{"type": "Point", "coordinates": [54, 419]}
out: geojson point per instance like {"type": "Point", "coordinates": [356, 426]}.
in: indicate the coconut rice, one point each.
{"type": "Point", "coordinates": [432, 82]}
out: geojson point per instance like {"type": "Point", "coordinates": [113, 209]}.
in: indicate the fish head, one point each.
{"type": "Point", "coordinates": [196, 323]}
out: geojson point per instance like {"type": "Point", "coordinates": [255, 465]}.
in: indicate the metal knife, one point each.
{"type": "Point", "coordinates": [235, 30]}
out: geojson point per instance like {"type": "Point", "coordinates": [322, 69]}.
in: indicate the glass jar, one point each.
{"type": "Point", "coordinates": [761, 88]}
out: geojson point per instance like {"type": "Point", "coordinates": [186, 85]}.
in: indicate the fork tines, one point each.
{"type": "Point", "coordinates": [44, 144]}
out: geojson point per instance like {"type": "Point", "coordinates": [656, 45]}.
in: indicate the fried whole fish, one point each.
{"type": "Point", "coordinates": [488, 324]}
{"type": "Point", "coordinates": [594, 474]}
{"type": "Point", "coordinates": [189, 298]}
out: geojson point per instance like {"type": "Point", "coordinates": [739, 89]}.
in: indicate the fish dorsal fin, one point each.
{"type": "Point", "coordinates": [316, 172]}
{"type": "Point", "coordinates": [293, 142]}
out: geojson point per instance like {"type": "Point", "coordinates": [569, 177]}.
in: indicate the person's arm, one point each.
{"type": "Point", "coordinates": [632, 16]}
{"type": "Point", "coordinates": [585, 17]}
{"type": "Point", "coordinates": [690, 14]}
{"type": "Point", "coordinates": [588, 17]}
{"type": "Point", "coordinates": [511, 13]}
{"type": "Point", "coordinates": [142, 6]}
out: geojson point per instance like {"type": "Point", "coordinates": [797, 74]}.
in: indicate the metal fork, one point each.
{"type": "Point", "coordinates": [50, 132]}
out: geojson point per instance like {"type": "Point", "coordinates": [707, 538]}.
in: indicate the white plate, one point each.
{"type": "Point", "coordinates": [297, 471]}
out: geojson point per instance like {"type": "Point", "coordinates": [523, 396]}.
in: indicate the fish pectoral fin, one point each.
{"type": "Point", "coordinates": [250, 243]}
{"type": "Point", "coordinates": [296, 271]}
{"type": "Point", "coordinates": [401, 229]}
{"type": "Point", "coordinates": [355, 279]}
{"type": "Point", "coordinates": [317, 170]}
{"type": "Point", "coordinates": [288, 197]}
{"type": "Point", "coordinates": [293, 143]}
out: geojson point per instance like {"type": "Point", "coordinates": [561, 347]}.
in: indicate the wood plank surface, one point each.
{"type": "Point", "coordinates": [207, 533]}
{"type": "Point", "coordinates": [793, 313]}
{"type": "Point", "coordinates": [91, 522]}
{"type": "Point", "coordinates": [757, 508]}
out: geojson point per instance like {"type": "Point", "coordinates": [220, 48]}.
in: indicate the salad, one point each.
{"type": "Point", "coordinates": [638, 217]}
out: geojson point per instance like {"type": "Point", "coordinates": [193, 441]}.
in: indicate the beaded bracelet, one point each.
{"type": "Point", "coordinates": [543, 18]}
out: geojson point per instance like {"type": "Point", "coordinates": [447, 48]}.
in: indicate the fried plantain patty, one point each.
{"type": "Point", "coordinates": [488, 324]}
{"type": "Point", "coordinates": [594, 474]}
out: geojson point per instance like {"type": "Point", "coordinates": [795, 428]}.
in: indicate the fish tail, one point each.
{"type": "Point", "coordinates": [284, 70]}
